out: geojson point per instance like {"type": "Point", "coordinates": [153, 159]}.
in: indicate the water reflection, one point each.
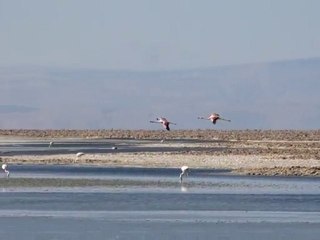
{"type": "Point", "coordinates": [183, 188]}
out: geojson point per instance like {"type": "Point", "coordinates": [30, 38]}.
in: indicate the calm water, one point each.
{"type": "Point", "coordinates": [209, 205]}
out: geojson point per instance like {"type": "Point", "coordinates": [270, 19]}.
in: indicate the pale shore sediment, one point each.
{"type": "Point", "coordinates": [241, 164]}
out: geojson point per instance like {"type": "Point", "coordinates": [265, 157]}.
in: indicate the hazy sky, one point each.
{"type": "Point", "coordinates": [156, 35]}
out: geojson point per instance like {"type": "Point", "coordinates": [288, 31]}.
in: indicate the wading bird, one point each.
{"type": "Point", "coordinates": [165, 123]}
{"type": "Point", "coordinates": [50, 144]}
{"type": "Point", "coordinates": [4, 168]}
{"type": "Point", "coordinates": [214, 117]}
{"type": "Point", "coordinates": [184, 172]}
{"type": "Point", "coordinates": [79, 154]}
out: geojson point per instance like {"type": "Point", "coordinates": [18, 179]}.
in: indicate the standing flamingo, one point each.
{"type": "Point", "coordinates": [214, 117]}
{"type": "Point", "coordinates": [4, 168]}
{"type": "Point", "coordinates": [184, 171]}
{"type": "Point", "coordinates": [78, 155]}
{"type": "Point", "coordinates": [165, 123]}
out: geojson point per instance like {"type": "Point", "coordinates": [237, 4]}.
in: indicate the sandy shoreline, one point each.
{"type": "Point", "coordinates": [244, 152]}
{"type": "Point", "coordinates": [241, 164]}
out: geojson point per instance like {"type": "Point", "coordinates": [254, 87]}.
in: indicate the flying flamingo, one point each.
{"type": "Point", "coordinates": [184, 171]}
{"type": "Point", "coordinates": [165, 123]}
{"type": "Point", "coordinates": [4, 168]}
{"type": "Point", "coordinates": [214, 117]}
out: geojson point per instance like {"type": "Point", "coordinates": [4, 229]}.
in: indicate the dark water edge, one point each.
{"type": "Point", "coordinates": [81, 229]}
{"type": "Point", "coordinates": [157, 201]}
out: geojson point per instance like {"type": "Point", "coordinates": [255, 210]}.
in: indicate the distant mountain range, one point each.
{"type": "Point", "coordinates": [276, 95]}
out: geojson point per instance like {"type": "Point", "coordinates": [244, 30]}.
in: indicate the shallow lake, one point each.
{"type": "Point", "coordinates": [150, 203]}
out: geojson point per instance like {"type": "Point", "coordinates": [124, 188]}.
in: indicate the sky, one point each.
{"type": "Point", "coordinates": [150, 35]}
{"type": "Point", "coordinates": [92, 64]}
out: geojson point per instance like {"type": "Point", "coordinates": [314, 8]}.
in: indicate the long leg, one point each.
{"type": "Point", "coordinates": [154, 122]}
{"type": "Point", "coordinates": [225, 119]}
{"type": "Point", "coordinates": [203, 118]}
{"type": "Point", "coordinates": [180, 177]}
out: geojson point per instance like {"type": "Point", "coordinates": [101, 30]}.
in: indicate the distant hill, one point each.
{"type": "Point", "coordinates": [277, 95]}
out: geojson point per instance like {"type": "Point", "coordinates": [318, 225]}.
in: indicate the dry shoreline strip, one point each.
{"type": "Point", "coordinates": [251, 152]}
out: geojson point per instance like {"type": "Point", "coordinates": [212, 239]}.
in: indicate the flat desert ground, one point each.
{"type": "Point", "coordinates": [250, 152]}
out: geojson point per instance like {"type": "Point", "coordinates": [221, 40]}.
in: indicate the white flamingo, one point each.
{"type": "Point", "coordinates": [165, 123]}
{"type": "Point", "coordinates": [214, 117]}
{"type": "Point", "coordinates": [4, 168]}
{"type": "Point", "coordinates": [184, 172]}
{"type": "Point", "coordinates": [78, 155]}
